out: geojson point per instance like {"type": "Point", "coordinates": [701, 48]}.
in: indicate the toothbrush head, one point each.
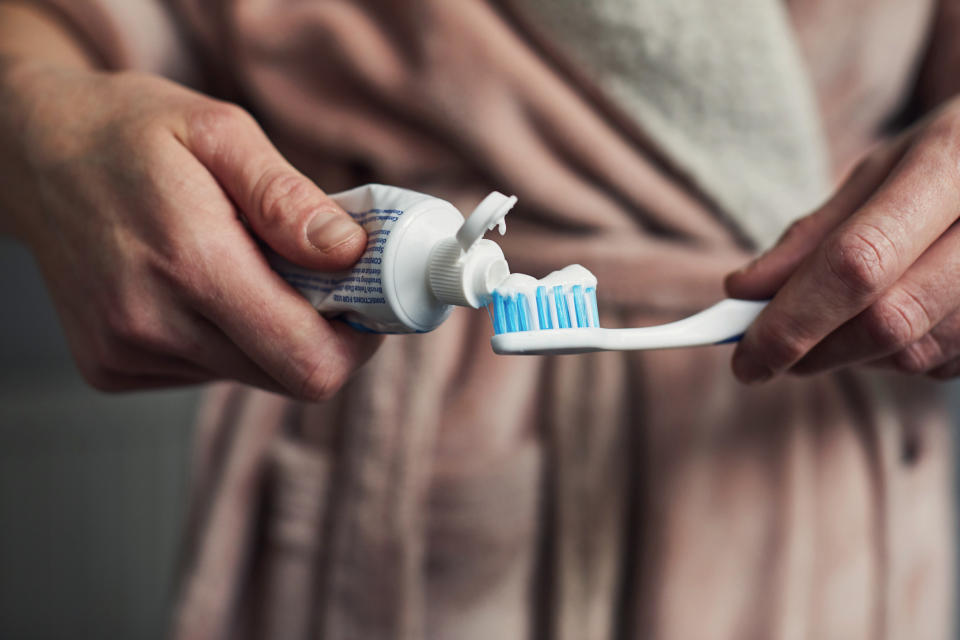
{"type": "Point", "coordinates": [525, 310]}
{"type": "Point", "coordinates": [558, 314]}
{"type": "Point", "coordinates": [541, 308]}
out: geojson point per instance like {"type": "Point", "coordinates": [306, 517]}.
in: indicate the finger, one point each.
{"type": "Point", "coordinates": [284, 208]}
{"type": "Point", "coordinates": [140, 362]}
{"type": "Point", "coordinates": [906, 312]}
{"type": "Point", "coordinates": [125, 382]}
{"type": "Point", "coordinates": [222, 359]}
{"type": "Point", "coordinates": [763, 276]}
{"type": "Point", "coordinates": [110, 381]}
{"type": "Point", "coordinates": [855, 264]}
{"type": "Point", "coordinates": [191, 349]}
{"type": "Point", "coordinates": [229, 282]}
{"type": "Point", "coordinates": [176, 343]}
{"type": "Point", "coordinates": [121, 356]}
{"type": "Point", "coordinates": [946, 371]}
{"type": "Point", "coordinates": [272, 324]}
{"type": "Point", "coordinates": [930, 353]}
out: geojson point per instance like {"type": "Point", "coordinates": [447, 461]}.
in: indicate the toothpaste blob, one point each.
{"type": "Point", "coordinates": [421, 259]}
{"type": "Point", "coordinates": [565, 299]}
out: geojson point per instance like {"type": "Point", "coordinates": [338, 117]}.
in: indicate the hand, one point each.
{"type": "Point", "coordinates": [873, 276]}
{"type": "Point", "coordinates": [130, 191]}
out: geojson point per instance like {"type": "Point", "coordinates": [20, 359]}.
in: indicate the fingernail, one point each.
{"type": "Point", "coordinates": [748, 370]}
{"type": "Point", "coordinates": [328, 231]}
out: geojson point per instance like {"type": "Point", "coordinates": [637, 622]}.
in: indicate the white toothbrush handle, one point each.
{"type": "Point", "coordinates": [725, 321]}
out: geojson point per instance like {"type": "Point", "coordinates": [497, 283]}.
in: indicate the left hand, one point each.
{"type": "Point", "coordinates": [873, 276]}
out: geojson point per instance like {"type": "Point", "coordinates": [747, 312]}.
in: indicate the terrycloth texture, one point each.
{"type": "Point", "coordinates": [718, 85]}
{"type": "Point", "coordinates": [450, 493]}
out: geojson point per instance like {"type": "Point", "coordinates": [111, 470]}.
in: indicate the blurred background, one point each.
{"type": "Point", "coordinates": [92, 486]}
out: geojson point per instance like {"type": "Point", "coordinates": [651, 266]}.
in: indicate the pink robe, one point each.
{"type": "Point", "coordinates": [448, 492]}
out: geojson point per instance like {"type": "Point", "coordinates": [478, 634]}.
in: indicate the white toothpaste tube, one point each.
{"type": "Point", "coordinates": [422, 258]}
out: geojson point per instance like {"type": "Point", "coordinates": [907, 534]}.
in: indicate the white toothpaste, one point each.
{"type": "Point", "coordinates": [421, 259]}
{"type": "Point", "coordinates": [566, 298]}
{"type": "Point", "coordinates": [568, 276]}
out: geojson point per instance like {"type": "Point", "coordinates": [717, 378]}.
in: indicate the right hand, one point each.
{"type": "Point", "coordinates": [129, 190]}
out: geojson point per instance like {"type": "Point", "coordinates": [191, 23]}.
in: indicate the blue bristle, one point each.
{"type": "Point", "coordinates": [522, 320]}
{"type": "Point", "coordinates": [579, 305]}
{"type": "Point", "coordinates": [511, 315]}
{"type": "Point", "coordinates": [574, 305]}
{"type": "Point", "coordinates": [563, 319]}
{"type": "Point", "coordinates": [543, 308]}
{"type": "Point", "coordinates": [592, 295]}
{"type": "Point", "coordinates": [499, 314]}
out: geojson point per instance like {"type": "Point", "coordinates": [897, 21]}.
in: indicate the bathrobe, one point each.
{"type": "Point", "coordinates": [447, 492]}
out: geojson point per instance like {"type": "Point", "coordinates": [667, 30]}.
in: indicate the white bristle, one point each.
{"type": "Point", "coordinates": [533, 318]}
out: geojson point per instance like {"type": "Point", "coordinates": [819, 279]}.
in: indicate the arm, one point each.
{"type": "Point", "coordinates": [28, 38]}
{"type": "Point", "coordinates": [128, 189]}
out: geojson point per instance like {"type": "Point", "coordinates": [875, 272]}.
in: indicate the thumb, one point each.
{"type": "Point", "coordinates": [762, 277]}
{"type": "Point", "coordinates": [283, 207]}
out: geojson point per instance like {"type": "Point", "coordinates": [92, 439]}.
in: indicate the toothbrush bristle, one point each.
{"type": "Point", "coordinates": [592, 295]}
{"type": "Point", "coordinates": [522, 324]}
{"type": "Point", "coordinates": [543, 308]}
{"type": "Point", "coordinates": [499, 313]}
{"type": "Point", "coordinates": [561, 301]}
{"type": "Point", "coordinates": [579, 306]}
{"type": "Point", "coordinates": [512, 324]}
{"type": "Point", "coordinates": [564, 307]}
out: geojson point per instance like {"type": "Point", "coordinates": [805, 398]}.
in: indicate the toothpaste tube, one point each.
{"type": "Point", "coordinates": [422, 258]}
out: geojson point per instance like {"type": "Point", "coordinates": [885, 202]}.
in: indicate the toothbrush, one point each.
{"type": "Point", "coordinates": [559, 315]}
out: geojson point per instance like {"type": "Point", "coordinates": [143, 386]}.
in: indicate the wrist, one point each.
{"type": "Point", "coordinates": [24, 85]}
{"type": "Point", "coordinates": [33, 44]}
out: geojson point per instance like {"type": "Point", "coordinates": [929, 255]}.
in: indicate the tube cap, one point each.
{"type": "Point", "coordinates": [464, 270]}
{"type": "Point", "coordinates": [488, 214]}
{"type": "Point", "coordinates": [466, 279]}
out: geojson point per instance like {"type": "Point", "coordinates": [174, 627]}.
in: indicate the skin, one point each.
{"type": "Point", "coordinates": [142, 203]}
{"type": "Point", "coordinates": [873, 276]}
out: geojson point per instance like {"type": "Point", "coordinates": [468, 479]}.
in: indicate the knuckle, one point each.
{"type": "Point", "coordinates": [945, 372]}
{"type": "Point", "coordinates": [145, 134]}
{"type": "Point", "coordinates": [894, 322]}
{"type": "Point", "coordinates": [782, 342]}
{"type": "Point", "coordinates": [319, 382]}
{"type": "Point", "coordinates": [284, 196]}
{"type": "Point", "coordinates": [213, 122]}
{"type": "Point", "coordinates": [100, 377]}
{"type": "Point", "coordinates": [109, 356]}
{"type": "Point", "coordinates": [860, 259]}
{"type": "Point", "coordinates": [185, 269]}
{"type": "Point", "coordinates": [118, 321]}
{"type": "Point", "coordinates": [914, 359]}
{"type": "Point", "coordinates": [131, 325]}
